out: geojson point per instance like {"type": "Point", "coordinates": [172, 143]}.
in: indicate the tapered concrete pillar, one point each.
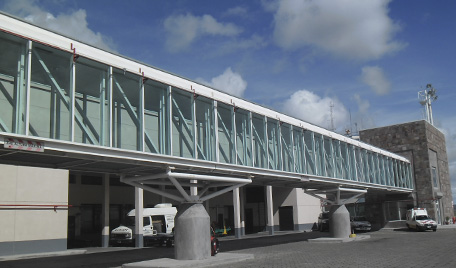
{"type": "Point", "coordinates": [192, 239]}
{"type": "Point", "coordinates": [270, 210]}
{"type": "Point", "coordinates": [105, 212]}
{"type": "Point", "coordinates": [139, 206]}
{"type": "Point", "coordinates": [339, 222]}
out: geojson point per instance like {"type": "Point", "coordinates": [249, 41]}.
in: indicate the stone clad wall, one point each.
{"type": "Point", "coordinates": [414, 140]}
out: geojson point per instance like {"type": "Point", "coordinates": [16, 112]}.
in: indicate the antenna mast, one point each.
{"type": "Point", "coordinates": [426, 97]}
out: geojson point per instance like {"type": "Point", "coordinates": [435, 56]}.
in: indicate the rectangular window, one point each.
{"type": "Point", "coordinates": [434, 177]}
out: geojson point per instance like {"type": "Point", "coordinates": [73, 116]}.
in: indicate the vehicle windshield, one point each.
{"type": "Point", "coordinates": [422, 217]}
{"type": "Point", "coordinates": [359, 218]}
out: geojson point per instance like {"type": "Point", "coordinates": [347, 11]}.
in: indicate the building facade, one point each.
{"type": "Point", "coordinates": [424, 145]}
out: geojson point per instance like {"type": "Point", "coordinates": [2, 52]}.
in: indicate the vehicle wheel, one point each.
{"type": "Point", "coordinates": [434, 230]}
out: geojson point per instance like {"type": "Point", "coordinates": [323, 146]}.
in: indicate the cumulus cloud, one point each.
{"type": "Point", "coordinates": [73, 24]}
{"type": "Point", "coordinates": [229, 82]}
{"type": "Point", "coordinates": [182, 30]}
{"type": "Point", "coordinates": [448, 128]}
{"type": "Point", "coordinates": [359, 30]}
{"type": "Point", "coordinates": [310, 107]}
{"type": "Point", "coordinates": [374, 77]}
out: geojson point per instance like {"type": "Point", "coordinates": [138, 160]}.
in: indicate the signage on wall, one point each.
{"type": "Point", "coordinates": [26, 145]}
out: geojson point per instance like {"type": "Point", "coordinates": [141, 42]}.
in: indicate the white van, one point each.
{"type": "Point", "coordinates": [418, 219]}
{"type": "Point", "coordinates": [158, 224]}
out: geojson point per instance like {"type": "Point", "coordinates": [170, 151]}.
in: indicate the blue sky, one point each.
{"type": "Point", "coordinates": [368, 59]}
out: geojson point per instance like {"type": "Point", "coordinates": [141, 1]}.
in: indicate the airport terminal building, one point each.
{"type": "Point", "coordinates": [86, 135]}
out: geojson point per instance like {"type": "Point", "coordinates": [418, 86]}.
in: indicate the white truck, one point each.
{"type": "Point", "coordinates": [158, 224]}
{"type": "Point", "coordinates": [418, 219]}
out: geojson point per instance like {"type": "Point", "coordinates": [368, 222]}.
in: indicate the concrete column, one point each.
{"type": "Point", "coordinates": [242, 195]}
{"type": "Point", "coordinates": [270, 210]}
{"type": "Point", "coordinates": [192, 232]}
{"type": "Point", "coordinates": [139, 206]}
{"type": "Point", "coordinates": [237, 213]}
{"type": "Point", "coordinates": [105, 212]}
{"type": "Point", "coordinates": [339, 222]}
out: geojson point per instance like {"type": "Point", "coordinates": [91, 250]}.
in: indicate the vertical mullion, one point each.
{"type": "Point", "coordinates": [102, 111]}
{"type": "Point", "coordinates": [170, 120]}
{"type": "Point", "coordinates": [266, 140]}
{"type": "Point", "coordinates": [141, 116]}
{"type": "Point", "coordinates": [252, 150]}
{"type": "Point", "coordinates": [304, 149]}
{"type": "Point", "coordinates": [72, 98]}
{"type": "Point", "coordinates": [217, 149]}
{"type": "Point", "coordinates": [233, 137]}
{"type": "Point", "coordinates": [193, 110]}
{"type": "Point", "coordinates": [28, 89]}
{"type": "Point", "coordinates": [110, 107]}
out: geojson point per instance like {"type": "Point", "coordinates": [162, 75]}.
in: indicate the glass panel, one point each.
{"type": "Point", "coordinates": [273, 144]}
{"type": "Point", "coordinates": [156, 117]}
{"type": "Point", "coordinates": [243, 138]}
{"type": "Point", "coordinates": [360, 164]}
{"type": "Point", "coordinates": [50, 93]}
{"type": "Point", "coordinates": [319, 154]}
{"type": "Point", "coordinates": [205, 131]}
{"type": "Point", "coordinates": [91, 103]}
{"type": "Point", "coordinates": [126, 98]}
{"type": "Point", "coordinates": [287, 149]}
{"type": "Point", "coordinates": [337, 159]}
{"type": "Point", "coordinates": [182, 123]}
{"type": "Point", "coordinates": [345, 161]}
{"type": "Point", "coordinates": [299, 151]}
{"type": "Point", "coordinates": [12, 83]}
{"type": "Point", "coordinates": [328, 157]}
{"type": "Point", "coordinates": [225, 129]}
{"type": "Point", "coordinates": [310, 154]}
{"type": "Point", "coordinates": [259, 143]}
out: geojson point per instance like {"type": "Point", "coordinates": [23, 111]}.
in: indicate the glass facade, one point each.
{"type": "Point", "coordinates": [49, 93]}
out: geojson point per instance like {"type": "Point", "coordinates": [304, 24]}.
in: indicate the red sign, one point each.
{"type": "Point", "coordinates": [26, 145]}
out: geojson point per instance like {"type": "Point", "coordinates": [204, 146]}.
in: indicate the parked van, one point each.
{"type": "Point", "coordinates": [158, 224]}
{"type": "Point", "coordinates": [418, 219]}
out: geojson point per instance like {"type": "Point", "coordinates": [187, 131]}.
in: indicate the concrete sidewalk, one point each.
{"type": "Point", "coordinates": [217, 260]}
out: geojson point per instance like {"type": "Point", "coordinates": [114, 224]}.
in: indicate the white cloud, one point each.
{"type": "Point", "coordinates": [239, 11]}
{"type": "Point", "coordinates": [308, 106]}
{"type": "Point", "coordinates": [182, 30]}
{"type": "Point", "coordinates": [350, 29]}
{"type": "Point", "coordinates": [374, 77]}
{"type": "Point", "coordinates": [229, 82]}
{"type": "Point", "coordinates": [74, 24]}
{"type": "Point", "coordinates": [448, 128]}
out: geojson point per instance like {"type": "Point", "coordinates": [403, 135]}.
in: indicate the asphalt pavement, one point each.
{"type": "Point", "coordinates": [384, 248]}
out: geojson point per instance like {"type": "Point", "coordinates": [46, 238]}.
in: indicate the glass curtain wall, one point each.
{"type": "Point", "coordinates": [50, 101]}
{"type": "Point", "coordinates": [259, 141]}
{"type": "Point", "coordinates": [126, 110]}
{"type": "Point", "coordinates": [309, 151]}
{"type": "Point", "coordinates": [182, 124]}
{"type": "Point", "coordinates": [13, 66]}
{"type": "Point", "coordinates": [145, 113]}
{"type": "Point", "coordinates": [299, 151]}
{"type": "Point", "coordinates": [156, 113]}
{"type": "Point", "coordinates": [226, 133]}
{"type": "Point", "coordinates": [91, 103]}
{"type": "Point", "coordinates": [287, 147]}
{"type": "Point", "coordinates": [243, 138]}
{"type": "Point", "coordinates": [205, 129]}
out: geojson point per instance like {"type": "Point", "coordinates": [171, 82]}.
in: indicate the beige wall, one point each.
{"type": "Point", "coordinates": [32, 186]}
